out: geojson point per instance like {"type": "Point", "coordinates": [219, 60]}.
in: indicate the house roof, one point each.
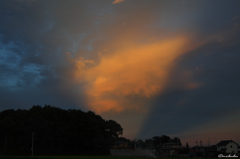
{"type": "Point", "coordinates": [225, 142]}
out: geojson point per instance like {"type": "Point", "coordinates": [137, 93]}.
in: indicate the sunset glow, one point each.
{"type": "Point", "coordinates": [141, 70]}
{"type": "Point", "coordinates": [156, 67]}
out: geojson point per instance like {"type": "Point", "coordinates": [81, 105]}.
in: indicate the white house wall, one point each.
{"type": "Point", "coordinates": [229, 149]}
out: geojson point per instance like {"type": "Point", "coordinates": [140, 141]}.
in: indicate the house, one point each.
{"type": "Point", "coordinates": [203, 151]}
{"type": "Point", "coordinates": [169, 149]}
{"type": "Point", "coordinates": [227, 146]}
{"type": "Point", "coordinates": [238, 149]}
{"type": "Point", "coordinates": [211, 151]}
{"type": "Point", "coordinates": [120, 145]}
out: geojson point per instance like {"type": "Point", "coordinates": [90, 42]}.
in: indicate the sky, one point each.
{"type": "Point", "coordinates": [165, 67]}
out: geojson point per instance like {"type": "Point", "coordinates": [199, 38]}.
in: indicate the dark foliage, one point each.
{"type": "Point", "coordinates": [154, 143]}
{"type": "Point", "coordinates": [184, 150]}
{"type": "Point", "coordinates": [56, 132]}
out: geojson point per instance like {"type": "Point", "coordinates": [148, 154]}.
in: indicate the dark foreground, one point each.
{"type": "Point", "coordinates": [88, 157]}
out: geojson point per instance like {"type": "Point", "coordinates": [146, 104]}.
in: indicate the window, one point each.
{"type": "Point", "coordinates": [231, 146]}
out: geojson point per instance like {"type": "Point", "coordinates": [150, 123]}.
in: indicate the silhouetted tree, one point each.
{"type": "Point", "coordinates": [176, 140]}
{"type": "Point", "coordinates": [165, 139]}
{"type": "Point", "coordinates": [157, 141]}
{"type": "Point", "coordinates": [56, 132]}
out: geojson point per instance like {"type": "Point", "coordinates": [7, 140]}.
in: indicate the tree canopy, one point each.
{"type": "Point", "coordinates": [154, 142]}
{"type": "Point", "coordinates": [56, 132]}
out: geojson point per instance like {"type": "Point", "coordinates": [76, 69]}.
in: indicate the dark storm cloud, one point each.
{"type": "Point", "coordinates": [33, 41]}
{"type": "Point", "coordinates": [35, 35]}
{"type": "Point", "coordinates": [214, 66]}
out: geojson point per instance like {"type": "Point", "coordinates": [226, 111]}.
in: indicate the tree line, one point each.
{"type": "Point", "coordinates": [154, 142]}
{"type": "Point", "coordinates": [55, 131]}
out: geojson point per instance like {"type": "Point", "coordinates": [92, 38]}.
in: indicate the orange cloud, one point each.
{"type": "Point", "coordinates": [77, 62]}
{"type": "Point", "coordinates": [137, 70]}
{"type": "Point", "coordinates": [117, 1]}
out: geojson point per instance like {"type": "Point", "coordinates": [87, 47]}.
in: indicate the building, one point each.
{"type": "Point", "coordinates": [227, 146]}
{"type": "Point", "coordinates": [169, 149]}
{"type": "Point", "coordinates": [203, 151]}
{"type": "Point", "coordinates": [211, 151]}
{"type": "Point", "coordinates": [120, 145]}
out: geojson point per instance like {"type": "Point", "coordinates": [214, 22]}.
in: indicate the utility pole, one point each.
{"type": "Point", "coordinates": [32, 141]}
{"type": "Point", "coordinates": [160, 142]}
{"type": "Point", "coordinates": [153, 144]}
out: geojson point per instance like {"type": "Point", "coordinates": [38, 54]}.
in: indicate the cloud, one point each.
{"type": "Point", "coordinates": [78, 62]}
{"type": "Point", "coordinates": [113, 61]}
{"type": "Point", "coordinates": [117, 1]}
{"type": "Point", "coordinates": [138, 70]}
{"type": "Point", "coordinates": [237, 17]}
{"type": "Point", "coordinates": [212, 66]}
